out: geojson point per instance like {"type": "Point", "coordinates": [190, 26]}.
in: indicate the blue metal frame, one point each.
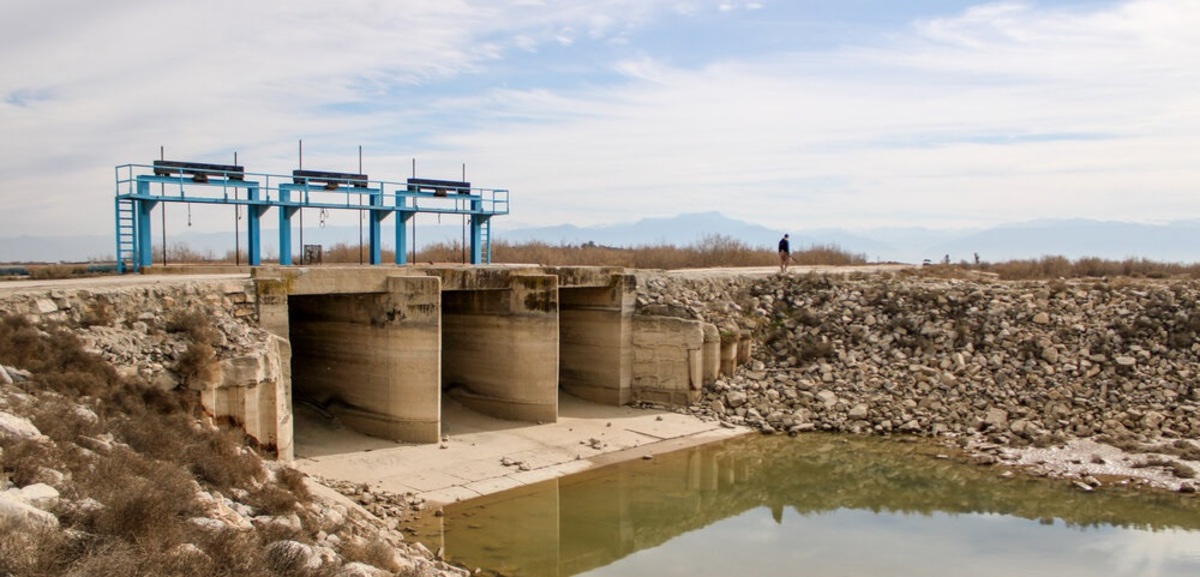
{"type": "Point", "coordinates": [136, 198]}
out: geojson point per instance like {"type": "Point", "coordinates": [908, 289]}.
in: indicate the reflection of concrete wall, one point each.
{"type": "Point", "coordinates": [595, 329]}
{"type": "Point", "coordinates": [533, 543]}
{"type": "Point", "coordinates": [668, 359]}
{"type": "Point", "coordinates": [500, 348]}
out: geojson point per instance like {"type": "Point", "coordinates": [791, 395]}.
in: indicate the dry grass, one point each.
{"type": "Point", "coordinates": [710, 251]}
{"type": "Point", "coordinates": [1053, 267]}
{"type": "Point", "coordinates": [198, 363]}
{"type": "Point", "coordinates": [377, 553]}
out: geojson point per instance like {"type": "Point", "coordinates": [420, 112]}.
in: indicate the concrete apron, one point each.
{"type": "Point", "coordinates": [470, 462]}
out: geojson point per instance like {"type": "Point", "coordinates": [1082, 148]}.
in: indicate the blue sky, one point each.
{"type": "Point", "coordinates": [797, 114]}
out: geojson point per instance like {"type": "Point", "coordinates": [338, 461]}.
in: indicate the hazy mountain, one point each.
{"type": "Point", "coordinates": [1073, 238]}
{"type": "Point", "coordinates": [683, 229]}
{"type": "Point", "coordinates": [1076, 238]}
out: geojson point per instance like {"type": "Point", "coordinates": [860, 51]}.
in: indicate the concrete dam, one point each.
{"type": "Point", "coordinates": [378, 347]}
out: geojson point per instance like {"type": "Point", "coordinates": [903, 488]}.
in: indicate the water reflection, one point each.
{"type": "Point", "coordinates": [827, 505]}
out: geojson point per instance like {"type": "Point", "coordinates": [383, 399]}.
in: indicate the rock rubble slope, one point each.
{"type": "Point", "coordinates": [1008, 363]}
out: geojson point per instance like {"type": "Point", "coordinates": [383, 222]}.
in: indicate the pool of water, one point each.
{"type": "Point", "coordinates": [816, 505]}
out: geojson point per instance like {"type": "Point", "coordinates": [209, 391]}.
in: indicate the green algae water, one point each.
{"type": "Point", "coordinates": [816, 505]}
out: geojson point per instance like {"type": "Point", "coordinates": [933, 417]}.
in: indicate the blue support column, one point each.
{"type": "Point", "coordinates": [375, 232]}
{"type": "Point", "coordinates": [402, 217]}
{"type": "Point", "coordinates": [254, 228]}
{"type": "Point", "coordinates": [144, 253]}
{"type": "Point", "coordinates": [285, 225]}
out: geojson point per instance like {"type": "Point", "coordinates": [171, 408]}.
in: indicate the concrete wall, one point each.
{"type": "Point", "coordinates": [500, 348]}
{"type": "Point", "coordinates": [255, 390]}
{"type": "Point", "coordinates": [372, 359]}
{"type": "Point", "coordinates": [595, 332]}
{"type": "Point", "coordinates": [668, 359]}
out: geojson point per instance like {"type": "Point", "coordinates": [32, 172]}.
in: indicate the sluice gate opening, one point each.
{"type": "Point", "coordinates": [376, 349]}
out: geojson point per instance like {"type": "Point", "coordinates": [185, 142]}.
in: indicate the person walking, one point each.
{"type": "Point", "coordinates": [785, 254]}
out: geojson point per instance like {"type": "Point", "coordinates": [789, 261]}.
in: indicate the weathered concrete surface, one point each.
{"type": "Point", "coordinates": [470, 462]}
{"type": "Point", "coordinates": [255, 390]}
{"type": "Point", "coordinates": [372, 359]}
{"type": "Point", "coordinates": [595, 329]}
{"type": "Point", "coordinates": [668, 359]}
{"type": "Point", "coordinates": [500, 348]}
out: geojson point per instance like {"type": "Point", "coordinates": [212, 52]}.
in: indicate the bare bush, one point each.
{"type": "Point", "coordinates": [374, 552]}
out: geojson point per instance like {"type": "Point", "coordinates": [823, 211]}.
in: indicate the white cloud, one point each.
{"type": "Point", "coordinates": [1005, 111]}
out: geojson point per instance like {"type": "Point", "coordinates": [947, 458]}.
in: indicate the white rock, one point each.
{"type": "Point", "coordinates": [17, 515]}
{"type": "Point", "coordinates": [14, 427]}
{"type": "Point", "coordinates": [357, 569]}
{"type": "Point", "coordinates": [40, 495]}
{"type": "Point", "coordinates": [208, 524]}
{"type": "Point", "coordinates": [45, 306]}
{"type": "Point", "coordinates": [292, 557]}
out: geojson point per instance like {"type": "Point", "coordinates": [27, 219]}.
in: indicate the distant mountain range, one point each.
{"type": "Point", "coordinates": [1072, 238]}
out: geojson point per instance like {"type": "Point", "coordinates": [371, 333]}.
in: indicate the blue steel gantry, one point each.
{"type": "Point", "coordinates": [189, 182]}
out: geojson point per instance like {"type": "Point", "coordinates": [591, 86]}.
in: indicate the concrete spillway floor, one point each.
{"type": "Point", "coordinates": [470, 462]}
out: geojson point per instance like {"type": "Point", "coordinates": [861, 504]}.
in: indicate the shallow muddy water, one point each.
{"type": "Point", "coordinates": [816, 505]}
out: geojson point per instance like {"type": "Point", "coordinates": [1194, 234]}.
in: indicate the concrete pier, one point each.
{"type": "Point", "coordinates": [500, 348]}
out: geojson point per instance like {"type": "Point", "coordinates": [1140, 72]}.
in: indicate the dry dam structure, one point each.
{"type": "Point", "coordinates": [378, 347]}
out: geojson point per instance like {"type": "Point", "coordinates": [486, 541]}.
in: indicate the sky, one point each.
{"type": "Point", "coordinates": [790, 114]}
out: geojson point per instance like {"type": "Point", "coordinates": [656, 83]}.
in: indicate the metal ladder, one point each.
{"type": "Point", "coordinates": [126, 236]}
{"type": "Point", "coordinates": [485, 239]}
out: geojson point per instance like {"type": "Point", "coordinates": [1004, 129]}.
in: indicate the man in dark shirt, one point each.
{"type": "Point", "coordinates": [785, 254]}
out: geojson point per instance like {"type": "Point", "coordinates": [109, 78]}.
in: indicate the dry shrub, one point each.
{"type": "Point", "coordinates": [24, 459]}
{"type": "Point", "coordinates": [195, 324]}
{"type": "Point", "coordinates": [293, 480]}
{"type": "Point", "coordinates": [232, 554]}
{"type": "Point", "coordinates": [1048, 267]}
{"type": "Point", "coordinates": [1183, 449]}
{"type": "Point", "coordinates": [1182, 471]}
{"type": "Point", "coordinates": [376, 552]}
{"type": "Point", "coordinates": [57, 271]}
{"type": "Point", "coordinates": [710, 251]}
{"type": "Point", "coordinates": [55, 355]}
{"type": "Point", "coordinates": [353, 253]}
{"type": "Point", "coordinates": [62, 420]}
{"type": "Point", "coordinates": [34, 552]}
{"type": "Point", "coordinates": [146, 500]}
{"type": "Point", "coordinates": [271, 499]}
{"type": "Point", "coordinates": [827, 255]}
{"type": "Point", "coordinates": [198, 363]}
{"type": "Point", "coordinates": [220, 459]}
